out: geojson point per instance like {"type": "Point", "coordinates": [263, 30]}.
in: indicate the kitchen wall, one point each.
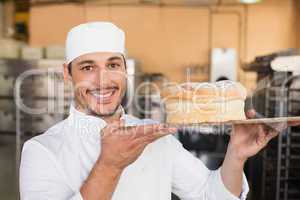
{"type": "Point", "coordinates": [1, 19]}
{"type": "Point", "coordinates": [7, 12]}
{"type": "Point", "coordinates": [297, 8]}
{"type": "Point", "coordinates": [168, 39]}
{"type": "Point", "coordinates": [271, 26]}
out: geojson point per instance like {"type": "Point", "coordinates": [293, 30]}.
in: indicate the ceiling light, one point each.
{"type": "Point", "coordinates": [250, 1]}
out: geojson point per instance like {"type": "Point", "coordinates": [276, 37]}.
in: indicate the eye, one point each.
{"type": "Point", "coordinates": [113, 65]}
{"type": "Point", "coordinates": [87, 68]}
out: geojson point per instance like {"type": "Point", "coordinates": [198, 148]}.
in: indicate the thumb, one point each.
{"type": "Point", "coordinates": [294, 123]}
{"type": "Point", "coordinates": [113, 126]}
{"type": "Point", "coordinates": [122, 122]}
{"type": "Point", "coordinates": [250, 114]}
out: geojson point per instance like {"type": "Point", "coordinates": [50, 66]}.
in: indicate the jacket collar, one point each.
{"type": "Point", "coordinates": [87, 126]}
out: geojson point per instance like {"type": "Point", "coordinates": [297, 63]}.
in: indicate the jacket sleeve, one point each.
{"type": "Point", "coordinates": [40, 177]}
{"type": "Point", "coordinates": [192, 180]}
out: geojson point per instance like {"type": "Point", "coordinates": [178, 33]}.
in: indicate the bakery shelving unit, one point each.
{"type": "Point", "coordinates": [281, 159]}
{"type": "Point", "coordinates": [42, 99]}
{"type": "Point", "coordinates": [39, 89]}
{"type": "Point", "coordinates": [32, 94]}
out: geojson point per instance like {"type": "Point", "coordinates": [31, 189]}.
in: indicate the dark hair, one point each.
{"type": "Point", "coordinates": [70, 65]}
{"type": "Point", "coordinates": [70, 68]}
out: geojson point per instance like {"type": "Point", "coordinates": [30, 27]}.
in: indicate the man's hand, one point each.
{"type": "Point", "coordinates": [121, 145]}
{"type": "Point", "coordinates": [246, 140]}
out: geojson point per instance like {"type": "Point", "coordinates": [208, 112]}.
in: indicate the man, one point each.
{"type": "Point", "coordinates": [91, 156]}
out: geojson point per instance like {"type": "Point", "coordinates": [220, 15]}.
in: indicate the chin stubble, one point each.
{"type": "Point", "coordinates": [116, 111]}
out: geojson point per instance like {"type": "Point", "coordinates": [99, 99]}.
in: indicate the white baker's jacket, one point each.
{"type": "Point", "coordinates": [55, 164]}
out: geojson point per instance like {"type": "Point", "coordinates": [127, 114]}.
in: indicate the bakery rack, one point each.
{"type": "Point", "coordinates": [281, 159]}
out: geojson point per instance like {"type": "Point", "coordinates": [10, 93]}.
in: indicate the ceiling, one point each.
{"type": "Point", "coordinates": [155, 2]}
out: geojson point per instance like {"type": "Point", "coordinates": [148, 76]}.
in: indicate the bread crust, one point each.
{"type": "Point", "coordinates": [205, 102]}
{"type": "Point", "coordinates": [205, 92]}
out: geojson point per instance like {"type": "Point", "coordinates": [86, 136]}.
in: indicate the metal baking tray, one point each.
{"type": "Point", "coordinates": [245, 121]}
{"type": "Point", "coordinates": [226, 127]}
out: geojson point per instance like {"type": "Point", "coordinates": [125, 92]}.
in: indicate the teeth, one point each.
{"type": "Point", "coordinates": [102, 94]}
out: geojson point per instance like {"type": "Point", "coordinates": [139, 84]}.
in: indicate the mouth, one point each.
{"type": "Point", "coordinates": [103, 95]}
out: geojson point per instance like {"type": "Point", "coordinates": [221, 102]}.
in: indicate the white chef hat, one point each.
{"type": "Point", "coordinates": [94, 37]}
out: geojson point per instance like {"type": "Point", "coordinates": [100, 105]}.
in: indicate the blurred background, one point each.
{"type": "Point", "coordinates": [255, 42]}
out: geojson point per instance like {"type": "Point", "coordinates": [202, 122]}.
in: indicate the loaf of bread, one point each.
{"type": "Point", "coordinates": [204, 102]}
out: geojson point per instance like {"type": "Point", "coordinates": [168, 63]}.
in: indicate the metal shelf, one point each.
{"type": "Point", "coordinates": [280, 162]}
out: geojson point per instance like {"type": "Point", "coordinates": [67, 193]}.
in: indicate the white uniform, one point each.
{"type": "Point", "coordinates": [55, 164]}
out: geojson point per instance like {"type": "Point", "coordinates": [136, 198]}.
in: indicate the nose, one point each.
{"type": "Point", "coordinates": [106, 76]}
{"type": "Point", "coordinates": [102, 76]}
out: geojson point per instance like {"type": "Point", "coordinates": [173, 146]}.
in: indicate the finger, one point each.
{"type": "Point", "coordinates": [145, 130]}
{"type": "Point", "coordinates": [261, 134]}
{"type": "Point", "coordinates": [277, 126]}
{"type": "Point", "coordinates": [122, 123]}
{"type": "Point", "coordinates": [169, 128]}
{"type": "Point", "coordinates": [111, 127]}
{"type": "Point", "coordinates": [133, 131]}
{"type": "Point", "coordinates": [294, 123]}
{"type": "Point", "coordinates": [118, 123]}
{"type": "Point", "coordinates": [149, 138]}
{"type": "Point", "coordinates": [281, 126]}
{"type": "Point", "coordinates": [115, 122]}
{"type": "Point", "coordinates": [272, 134]}
{"type": "Point", "coordinates": [162, 130]}
{"type": "Point", "coordinates": [141, 142]}
{"type": "Point", "coordinates": [251, 113]}
{"type": "Point", "coordinates": [165, 131]}
{"type": "Point", "coordinates": [268, 134]}
{"type": "Point", "coordinates": [120, 127]}
{"type": "Point", "coordinates": [138, 131]}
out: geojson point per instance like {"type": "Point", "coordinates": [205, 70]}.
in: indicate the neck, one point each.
{"type": "Point", "coordinates": [114, 117]}
{"type": "Point", "coordinates": [109, 118]}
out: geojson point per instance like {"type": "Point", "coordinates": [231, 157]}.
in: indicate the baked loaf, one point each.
{"type": "Point", "coordinates": [204, 102]}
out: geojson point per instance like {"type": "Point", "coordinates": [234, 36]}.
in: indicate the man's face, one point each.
{"type": "Point", "coordinates": [99, 81]}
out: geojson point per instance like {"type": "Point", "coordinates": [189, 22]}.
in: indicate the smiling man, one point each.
{"type": "Point", "coordinates": [100, 81]}
{"type": "Point", "coordinates": [91, 156]}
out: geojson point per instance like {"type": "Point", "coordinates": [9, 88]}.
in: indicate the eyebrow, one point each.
{"type": "Point", "coordinates": [92, 62]}
{"type": "Point", "coordinates": [114, 58]}
{"type": "Point", "coordinates": [86, 62]}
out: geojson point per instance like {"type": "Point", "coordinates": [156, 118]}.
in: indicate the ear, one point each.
{"type": "Point", "coordinates": [66, 73]}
